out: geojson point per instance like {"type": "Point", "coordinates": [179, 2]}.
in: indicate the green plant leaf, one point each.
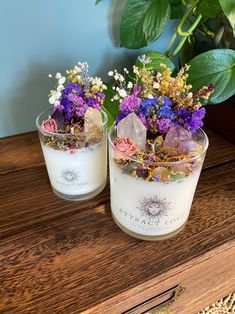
{"type": "Point", "coordinates": [228, 7]}
{"type": "Point", "coordinates": [110, 107]}
{"type": "Point", "coordinates": [177, 9]}
{"type": "Point", "coordinates": [111, 118]}
{"type": "Point", "coordinates": [143, 21]}
{"type": "Point", "coordinates": [209, 8]}
{"type": "Point", "coordinates": [217, 67]}
{"type": "Point", "coordinates": [157, 58]}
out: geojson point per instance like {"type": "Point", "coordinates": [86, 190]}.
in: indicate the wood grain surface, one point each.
{"type": "Point", "coordinates": [70, 257]}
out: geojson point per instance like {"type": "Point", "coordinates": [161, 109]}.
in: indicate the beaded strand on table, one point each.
{"type": "Point", "coordinates": [223, 306]}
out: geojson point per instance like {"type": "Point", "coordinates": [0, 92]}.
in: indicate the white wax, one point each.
{"type": "Point", "coordinates": [77, 173]}
{"type": "Point", "coordinates": [150, 208]}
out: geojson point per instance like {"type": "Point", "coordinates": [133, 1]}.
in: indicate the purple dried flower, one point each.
{"type": "Point", "coordinates": [74, 89]}
{"type": "Point", "coordinates": [191, 120]}
{"type": "Point", "coordinates": [163, 125]}
{"type": "Point", "coordinates": [145, 120]}
{"type": "Point", "coordinates": [130, 103]}
{"type": "Point", "coordinates": [92, 102]}
{"type": "Point", "coordinates": [199, 114]}
{"type": "Point", "coordinates": [122, 115]}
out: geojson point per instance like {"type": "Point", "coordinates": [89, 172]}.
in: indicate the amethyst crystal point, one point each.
{"type": "Point", "coordinates": [181, 140]}
{"type": "Point", "coordinates": [132, 127]}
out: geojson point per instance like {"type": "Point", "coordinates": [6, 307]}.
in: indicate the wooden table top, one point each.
{"type": "Point", "coordinates": [58, 256]}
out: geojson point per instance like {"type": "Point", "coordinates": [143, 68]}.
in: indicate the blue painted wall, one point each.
{"type": "Point", "coordinates": [38, 37]}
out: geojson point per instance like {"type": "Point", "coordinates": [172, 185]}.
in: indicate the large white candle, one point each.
{"type": "Point", "coordinates": [150, 208]}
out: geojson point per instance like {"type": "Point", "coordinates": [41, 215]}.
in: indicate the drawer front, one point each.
{"type": "Point", "coordinates": [158, 304]}
{"type": "Point", "coordinates": [184, 290]}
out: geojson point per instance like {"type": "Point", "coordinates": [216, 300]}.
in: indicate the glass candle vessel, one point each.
{"type": "Point", "coordinates": [76, 163]}
{"type": "Point", "coordinates": [148, 209]}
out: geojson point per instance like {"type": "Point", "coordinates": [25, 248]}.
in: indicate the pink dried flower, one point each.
{"type": "Point", "coordinates": [49, 125]}
{"type": "Point", "coordinates": [124, 145]}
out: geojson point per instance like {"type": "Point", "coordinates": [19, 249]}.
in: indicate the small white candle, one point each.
{"type": "Point", "coordinates": [77, 172]}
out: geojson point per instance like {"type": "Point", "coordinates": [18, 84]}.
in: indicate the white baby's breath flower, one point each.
{"type": "Point", "coordinates": [156, 85]}
{"type": "Point", "coordinates": [113, 88]}
{"type": "Point", "coordinates": [54, 96]}
{"type": "Point", "coordinates": [116, 97]}
{"type": "Point", "coordinates": [52, 100]}
{"type": "Point", "coordinates": [104, 87]}
{"type": "Point", "coordinates": [50, 75]}
{"type": "Point", "coordinates": [58, 76]}
{"type": "Point", "coordinates": [116, 77]}
{"type": "Point", "coordinates": [110, 73]}
{"type": "Point", "coordinates": [135, 69]}
{"type": "Point", "coordinates": [62, 80]}
{"type": "Point", "coordinates": [60, 88]}
{"type": "Point", "coordinates": [190, 95]}
{"type": "Point", "coordinates": [97, 81]}
{"type": "Point", "coordinates": [77, 69]}
{"type": "Point", "coordinates": [121, 78]}
{"type": "Point", "coordinates": [150, 96]}
{"type": "Point", "coordinates": [58, 94]}
{"type": "Point", "coordinates": [122, 93]}
{"type": "Point", "coordinates": [130, 85]}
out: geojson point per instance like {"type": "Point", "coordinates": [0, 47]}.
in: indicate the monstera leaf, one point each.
{"type": "Point", "coordinates": [143, 21]}
{"type": "Point", "coordinates": [217, 67]}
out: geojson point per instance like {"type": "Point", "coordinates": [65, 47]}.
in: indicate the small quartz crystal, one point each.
{"type": "Point", "coordinates": [92, 118]}
{"type": "Point", "coordinates": [133, 128]}
{"type": "Point", "coordinates": [92, 124]}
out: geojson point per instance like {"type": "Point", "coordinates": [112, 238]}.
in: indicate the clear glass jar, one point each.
{"type": "Point", "coordinates": [76, 163]}
{"type": "Point", "coordinates": [152, 210]}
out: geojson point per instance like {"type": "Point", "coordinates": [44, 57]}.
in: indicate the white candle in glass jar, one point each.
{"type": "Point", "coordinates": [77, 172]}
{"type": "Point", "coordinates": [150, 208]}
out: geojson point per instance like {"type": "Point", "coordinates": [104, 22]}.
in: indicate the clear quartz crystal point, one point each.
{"type": "Point", "coordinates": [92, 125]}
{"type": "Point", "coordinates": [92, 118]}
{"type": "Point", "coordinates": [132, 127]}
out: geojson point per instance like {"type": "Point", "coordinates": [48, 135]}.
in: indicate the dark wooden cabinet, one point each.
{"type": "Point", "coordinates": [70, 257]}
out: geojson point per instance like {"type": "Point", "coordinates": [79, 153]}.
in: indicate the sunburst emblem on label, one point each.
{"type": "Point", "coordinates": [70, 175]}
{"type": "Point", "coordinates": [154, 207]}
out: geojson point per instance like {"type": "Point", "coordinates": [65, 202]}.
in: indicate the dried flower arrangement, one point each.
{"type": "Point", "coordinates": [77, 101]}
{"type": "Point", "coordinates": [159, 117]}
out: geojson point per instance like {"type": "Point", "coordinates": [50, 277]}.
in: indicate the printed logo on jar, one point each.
{"type": "Point", "coordinates": [154, 208]}
{"type": "Point", "coordinates": [70, 175]}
